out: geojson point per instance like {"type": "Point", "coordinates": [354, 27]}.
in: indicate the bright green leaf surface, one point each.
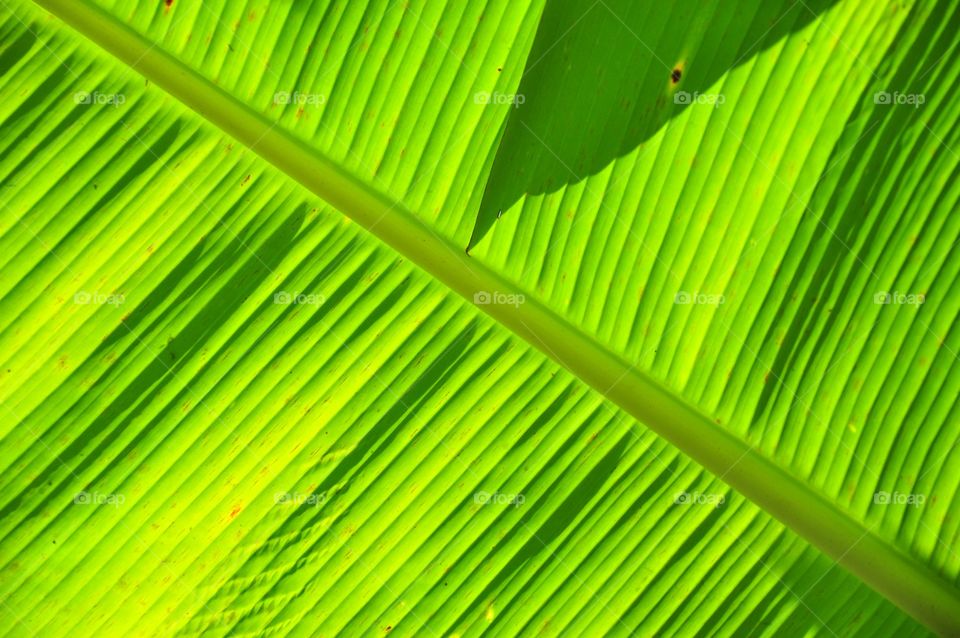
{"type": "Point", "coordinates": [188, 331]}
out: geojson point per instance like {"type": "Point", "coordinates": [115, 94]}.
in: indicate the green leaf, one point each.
{"type": "Point", "coordinates": [231, 412]}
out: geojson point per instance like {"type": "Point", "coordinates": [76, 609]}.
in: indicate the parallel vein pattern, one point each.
{"type": "Point", "coordinates": [237, 349]}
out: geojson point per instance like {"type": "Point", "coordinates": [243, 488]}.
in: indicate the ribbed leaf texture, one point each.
{"type": "Point", "coordinates": [229, 410]}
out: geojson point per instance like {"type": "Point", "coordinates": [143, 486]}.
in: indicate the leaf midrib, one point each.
{"type": "Point", "coordinates": [908, 583]}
